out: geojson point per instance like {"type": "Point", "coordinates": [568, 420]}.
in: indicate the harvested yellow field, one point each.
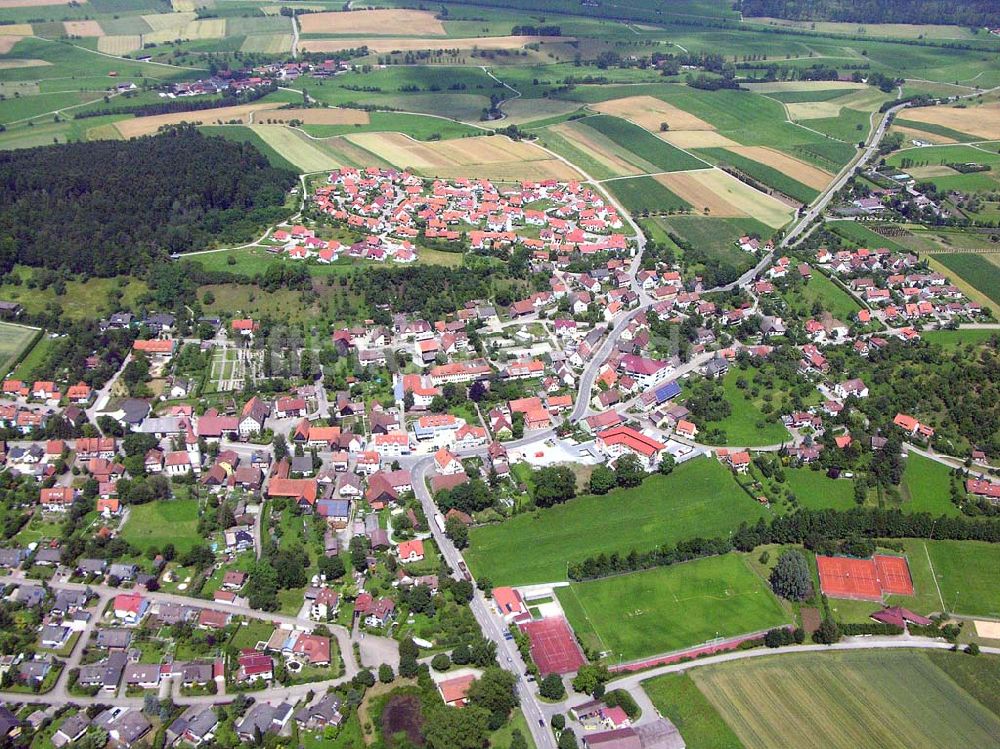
{"type": "Point", "coordinates": [378, 45]}
{"type": "Point", "coordinates": [220, 115]}
{"type": "Point", "coordinates": [648, 112]}
{"type": "Point", "coordinates": [913, 134]}
{"type": "Point", "coordinates": [30, 3]}
{"type": "Point", "coordinates": [495, 157]}
{"type": "Point", "coordinates": [119, 45]}
{"type": "Point", "coordinates": [161, 21]}
{"type": "Point", "coordinates": [83, 28]}
{"type": "Point", "coordinates": [382, 21]}
{"type": "Point", "coordinates": [724, 195]}
{"type": "Point", "coordinates": [316, 116]}
{"type": "Point", "coordinates": [805, 173]}
{"type": "Point", "coordinates": [597, 146]}
{"type": "Point", "coordinates": [207, 28]}
{"type": "Point", "coordinates": [697, 139]}
{"type": "Point", "coordinates": [26, 63]}
{"type": "Point", "coordinates": [982, 121]}
{"type": "Point", "coordinates": [773, 87]}
{"type": "Point", "coordinates": [183, 6]}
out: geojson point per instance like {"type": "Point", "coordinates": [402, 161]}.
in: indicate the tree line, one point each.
{"type": "Point", "coordinates": [815, 529]}
{"type": "Point", "coordinates": [185, 104]}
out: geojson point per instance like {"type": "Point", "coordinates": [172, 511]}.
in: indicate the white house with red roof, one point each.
{"type": "Point", "coordinates": [623, 440]}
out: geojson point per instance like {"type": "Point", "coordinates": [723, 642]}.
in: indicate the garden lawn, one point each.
{"type": "Point", "coordinates": [927, 483]}
{"type": "Point", "coordinates": [700, 498]}
{"type": "Point", "coordinates": [741, 426]}
{"type": "Point", "coordinates": [156, 524]}
{"type": "Point", "coordinates": [677, 698]}
{"type": "Point", "coordinates": [669, 608]}
{"type": "Point", "coordinates": [845, 700]}
{"type": "Point", "coordinates": [814, 490]}
{"type": "Point", "coordinates": [830, 296]}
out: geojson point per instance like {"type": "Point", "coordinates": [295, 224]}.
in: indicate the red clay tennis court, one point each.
{"type": "Point", "coordinates": [865, 579]}
{"type": "Point", "coordinates": [553, 646]}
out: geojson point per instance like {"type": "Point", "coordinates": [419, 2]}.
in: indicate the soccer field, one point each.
{"type": "Point", "coordinates": [14, 339]}
{"type": "Point", "coordinates": [849, 700]}
{"type": "Point", "coordinates": [665, 609]}
{"type": "Point", "coordinates": [700, 498]}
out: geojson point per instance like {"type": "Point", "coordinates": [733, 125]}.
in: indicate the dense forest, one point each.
{"type": "Point", "coordinates": [107, 208]}
{"type": "Point", "coordinates": [974, 13]}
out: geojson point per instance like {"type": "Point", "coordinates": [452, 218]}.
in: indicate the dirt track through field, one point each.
{"type": "Point", "coordinates": [382, 45]}
{"type": "Point", "coordinates": [648, 112]}
{"type": "Point", "coordinates": [382, 21]}
{"type": "Point", "coordinates": [798, 170]}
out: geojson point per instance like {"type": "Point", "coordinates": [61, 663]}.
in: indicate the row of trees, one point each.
{"type": "Point", "coordinates": [816, 529]}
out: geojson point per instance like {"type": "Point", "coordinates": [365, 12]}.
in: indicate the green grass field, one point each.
{"type": "Point", "coordinates": [966, 574]}
{"type": "Point", "coordinates": [717, 236]}
{"type": "Point", "coordinates": [416, 126]}
{"type": "Point", "coordinates": [976, 270]}
{"type": "Point", "coordinates": [980, 677]}
{"type": "Point", "coordinates": [930, 127]}
{"type": "Point", "coordinates": [701, 725]}
{"type": "Point", "coordinates": [645, 194]}
{"type": "Point", "coordinates": [14, 340]}
{"type": "Point", "coordinates": [700, 498]}
{"type": "Point", "coordinates": [954, 338]}
{"type": "Point", "coordinates": [861, 236]}
{"type": "Point", "coordinates": [927, 487]}
{"type": "Point", "coordinates": [669, 608]}
{"type": "Point", "coordinates": [814, 490]}
{"type": "Point", "coordinates": [653, 154]}
{"type": "Point", "coordinates": [763, 173]}
{"type": "Point", "coordinates": [831, 297]}
{"type": "Point", "coordinates": [157, 524]}
{"type": "Point", "coordinates": [747, 425]}
{"type": "Point", "coordinates": [845, 700]}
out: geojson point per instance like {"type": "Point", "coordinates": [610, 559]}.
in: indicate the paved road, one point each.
{"type": "Point", "coordinates": [490, 624]}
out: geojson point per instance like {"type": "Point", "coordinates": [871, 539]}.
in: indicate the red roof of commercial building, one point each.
{"type": "Point", "coordinates": [296, 488]}
{"type": "Point", "coordinates": [633, 440]}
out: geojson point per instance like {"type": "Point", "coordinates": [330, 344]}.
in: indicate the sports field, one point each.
{"type": "Point", "coordinates": [700, 498]}
{"type": "Point", "coordinates": [14, 339]}
{"type": "Point", "coordinates": [966, 575]}
{"type": "Point", "coordinates": [845, 700]}
{"type": "Point", "coordinates": [156, 524]}
{"type": "Point", "coordinates": [669, 608]}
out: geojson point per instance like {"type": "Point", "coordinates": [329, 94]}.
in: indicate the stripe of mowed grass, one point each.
{"type": "Point", "coordinates": [644, 144]}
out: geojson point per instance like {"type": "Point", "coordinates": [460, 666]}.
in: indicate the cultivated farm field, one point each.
{"type": "Point", "coordinates": [242, 113]}
{"type": "Point", "coordinates": [848, 700]}
{"type": "Point", "coordinates": [714, 192]}
{"type": "Point", "coordinates": [699, 498]}
{"type": "Point", "coordinates": [669, 608]}
{"type": "Point", "coordinates": [378, 21]}
{"type": "Point", "coordinates": [975, 269]}
{"type": "Point", "coordinates": [982, 121]}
